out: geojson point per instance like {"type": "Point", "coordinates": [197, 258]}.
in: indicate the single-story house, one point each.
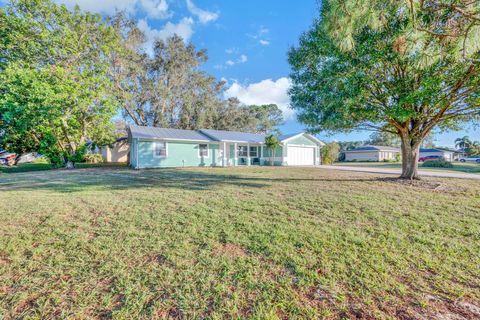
{"type": "Point", "coordinates": [446, 154]}
{"type": "Point", "coordinates": [372, 153]}
{"type": "Point", "coordinates": [152, 147]}
{"type": "Point", "coordinates": [117, 151]}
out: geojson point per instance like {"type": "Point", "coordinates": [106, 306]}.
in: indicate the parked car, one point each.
{"type": "Point", "coordinates": [427, 158]}
{"type": "Point", "coordinates": [470, 159]}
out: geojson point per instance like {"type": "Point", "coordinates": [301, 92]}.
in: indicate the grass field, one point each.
{"type": "Point", "coordinates": [261, 243]}
{"type": "Point", "coordinates": [29, 167]}
{"type": "Point", "coordinates": [457, 166]}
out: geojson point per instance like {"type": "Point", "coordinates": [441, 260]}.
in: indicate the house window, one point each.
{"type": "Point", "coordinates": [203, 150]}
{"type": "Point", "coordinates": [242, 151]}
{"type": "Point", "coordinates": [253, 152]}
{"type": "Point", "coordinates": [160, 149]}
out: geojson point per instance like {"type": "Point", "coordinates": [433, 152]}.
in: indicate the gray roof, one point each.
{"type": "Point", "coordinates": [220, 135]}
{"type": "Point", "coordinates": [200, 135]}
{"type": "Point", "coordinates": [436, 150]}
{"type": "Point", "coordinates": [374, 148]}
{"type": "Point", "coordinates": [167, 133]}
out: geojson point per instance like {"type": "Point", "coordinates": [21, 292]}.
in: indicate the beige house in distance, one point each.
{"type": "Point", "coordinates": [372, 153]}
{"type": "Point", "coordinates": [117, 151]}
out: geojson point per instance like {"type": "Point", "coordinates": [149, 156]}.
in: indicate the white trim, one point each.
{"type": "Point", "coordinates": [308, 136]}
{"type": "Point", "coordinates": [301, 145]}
{"type": "Point", "coordinates": [155, 147]}
{"type": "Point", "coordinates": [136, 154]}
{"type": "Point", "coordinates": [208, 151]}
{"type": "Point", "coordinates": [173, 139]}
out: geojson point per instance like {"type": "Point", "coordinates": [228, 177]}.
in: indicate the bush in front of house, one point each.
{"type": "Point", "coordinates": [437, 164]}
{"type": "Point", "coordinates": [93, 158]}
{"type": "Point", "coordinates": [330, 152]}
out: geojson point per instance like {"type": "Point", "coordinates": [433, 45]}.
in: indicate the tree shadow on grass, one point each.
{"type": "Point", "coordinates": [124, 179]}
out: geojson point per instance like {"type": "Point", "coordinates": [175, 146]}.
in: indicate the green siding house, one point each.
{"type": "Point", "coordinates": [152, 147]}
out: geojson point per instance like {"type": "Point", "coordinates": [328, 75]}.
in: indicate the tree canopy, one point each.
{"type": "Point", "coordinates": [168, 89]}
{"type": "Point", "coordinates": [403, 67]}
{"type": "Point", "coordinates": [54, 84]}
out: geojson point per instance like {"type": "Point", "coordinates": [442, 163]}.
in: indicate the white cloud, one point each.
{"type": "Point", "coordinates": [261, 35]}
{"type": "Point", "coordinates": [203, 15]}
{"type": "Point", "coordinates": [242, 59]}
{"type": "Point", "coordinates": [183, 29]}
{"type": "Point", "coordinates": [102, 6]}
{"type": "Point", "coordinates": [264, 92]}
{"type": "Point", "coordinates": [156, 9]}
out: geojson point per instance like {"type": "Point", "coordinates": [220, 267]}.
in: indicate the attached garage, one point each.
{"type": "Point", "coordinates": [301, 155]}
{"type": "Point", "coordinates": [301, 149]}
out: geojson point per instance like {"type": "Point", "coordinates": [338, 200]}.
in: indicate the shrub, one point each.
{"type": "Point", "coordinates": [330, 152]}
{"type": "Point", "coordinates": [41, 160]}
{"type": "Point", "coordinates": [437, 164]}
{"type": "Point", "coordinates": [93, 158]}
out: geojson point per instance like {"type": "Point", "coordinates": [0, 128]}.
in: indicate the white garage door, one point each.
{"type": "Point", "coordinates": [301, 156]}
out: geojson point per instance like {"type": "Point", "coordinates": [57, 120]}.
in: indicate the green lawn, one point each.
{"type": "Point", "coordinates": [457, 166]}
{"type": "Point", "coordinates": [260, 242]}
{"type": "Point", "coordinates": [29, 167]}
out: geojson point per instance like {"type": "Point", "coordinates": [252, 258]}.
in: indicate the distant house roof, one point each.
{"type": "Point", "coordinates": [436, 150]}
{"type": "Point", "coordinates": [220, 135]}
{"type": "Point", "coordinates": [374, 148]}
{"type": "Point", "coordinates": [167, 133]}
{"type": "Point", "coordinates": [206, 135]}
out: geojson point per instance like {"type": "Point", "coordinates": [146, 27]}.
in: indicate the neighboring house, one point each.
{"type": "Point", "coordinates": [372, 153]}
{"type": "Point", "coordinates": [117, 151]}
{"type": "Point", "coordinates": [152, 147]}
{"type": "Point", "coordinates": [446, 154]}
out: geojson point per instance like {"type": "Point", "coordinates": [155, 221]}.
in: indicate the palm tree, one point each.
{"type": "Point", "coordinates": [272, 143]}
{"type": "Point", "coordinates": [463, 143]}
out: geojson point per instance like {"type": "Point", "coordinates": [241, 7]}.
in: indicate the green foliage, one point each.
{"type": "Point", "coordinates": [272, 143]}
{"type": "Point", "coordinates": [169, 89]}
{"type": "Point", "coordinates": [41, 160]}
{"type": "Point", "coordinates": [27, 167]}
{"type": "Point", "coordinates": [93, 158]}
{"type": "Point", "coordinates": [55, 88]}
{"type": "Point", "coordinates": [437, 164]}
{"type": "Point", "coordinates": [78, 155]}
{"type": "Point", "coordinates": [389, 66]}
{"type": "Point", "coordinates": [381, 138]}
{"type": "Point", "coordinates": [330, 152]}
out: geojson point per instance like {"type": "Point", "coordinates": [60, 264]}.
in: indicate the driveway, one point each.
{"type": "Point", "coordinates": [425, 173]}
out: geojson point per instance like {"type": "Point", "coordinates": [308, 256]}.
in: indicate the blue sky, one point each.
{"type": "Point", "coordinates": [247, 43]}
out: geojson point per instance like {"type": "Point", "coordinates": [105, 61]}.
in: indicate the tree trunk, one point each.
{"type": "Point", "coordinates": [410, 154]}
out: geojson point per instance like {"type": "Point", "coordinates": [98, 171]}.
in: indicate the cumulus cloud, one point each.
{"type": "Point", "coordinates": [183, 29]}
{"type": "Point", "coordinates": [264, 42]}
{"type": "Point", "coordinates": [264, 92]}
{"type": "Point", "coordinates": [156, 9]}
{"type": "Point", "coordinates": [203, 16]}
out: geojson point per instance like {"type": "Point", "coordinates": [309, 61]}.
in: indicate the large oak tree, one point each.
{"type": "Point", "coordinates": [398, 66]}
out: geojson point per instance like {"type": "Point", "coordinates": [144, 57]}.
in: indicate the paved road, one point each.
{"type": "Point", "coordinates": [440, 174]}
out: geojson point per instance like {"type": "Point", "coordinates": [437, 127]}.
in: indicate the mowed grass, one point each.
{"type": "Point", "coordinates": [467, 167]}
{"type": "Point", "coordinates": [260, 243]}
